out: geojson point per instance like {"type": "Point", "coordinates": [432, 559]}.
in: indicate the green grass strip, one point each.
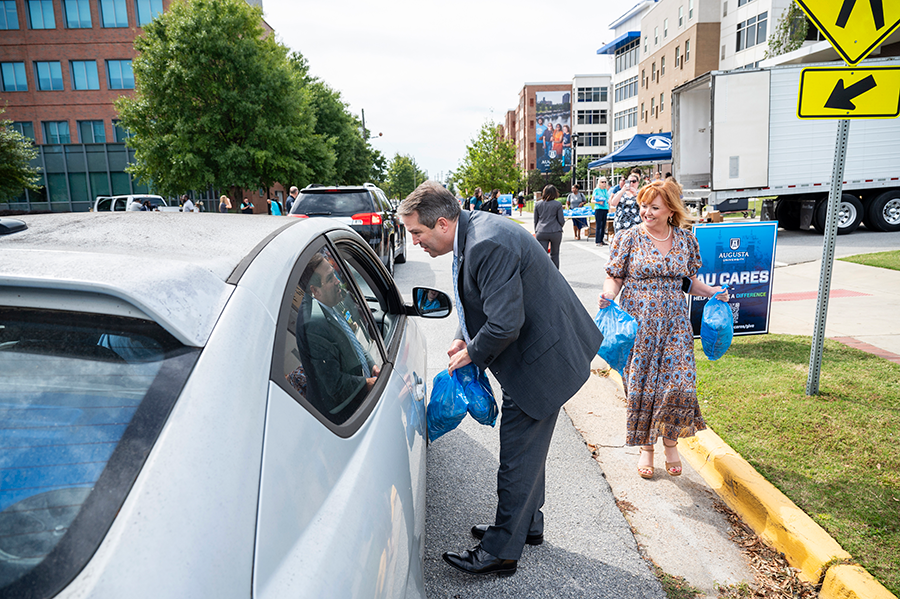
{"type": "Point", "coordinates": [835, 455]}
{"type": "Point", "coordinates": [889, 260]}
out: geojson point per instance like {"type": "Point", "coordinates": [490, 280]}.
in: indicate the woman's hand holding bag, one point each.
{"type": "Point", "coordinates": [619, 330]}
{"type": "Point", "coordinates": [716, 327]}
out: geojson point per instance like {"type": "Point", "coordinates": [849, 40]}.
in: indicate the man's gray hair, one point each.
{"type": "Point", "coordinates": [431, 200]}
{"type": "Point", "coordinates": [293, 189]}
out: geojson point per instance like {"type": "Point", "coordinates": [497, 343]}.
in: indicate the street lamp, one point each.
{"type": "Point", "coordinates": [365, 132]}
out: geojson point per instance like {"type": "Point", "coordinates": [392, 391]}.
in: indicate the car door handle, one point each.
{"type": "Point", "coordinates": [419, 387]}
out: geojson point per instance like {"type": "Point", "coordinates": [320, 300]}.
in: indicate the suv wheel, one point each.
{"type": "Point", "coordinates": [401, 257]}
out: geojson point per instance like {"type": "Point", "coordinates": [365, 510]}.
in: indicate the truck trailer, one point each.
{"type": "Point", "coordinates": [736, 136]}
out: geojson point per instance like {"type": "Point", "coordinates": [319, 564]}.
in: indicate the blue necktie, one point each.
{"type": "Point", "coordinates": [360, 352]}
{"type": "Point", "coordinates": [459, 307]}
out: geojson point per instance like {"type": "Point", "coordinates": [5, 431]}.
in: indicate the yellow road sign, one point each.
{"type": "Point", "coordinates": [854, 27]}
{"type": "Point", "coordinates": [849, 93]}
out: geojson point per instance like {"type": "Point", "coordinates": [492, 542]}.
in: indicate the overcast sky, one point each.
{"type": "Point", "coordinates": [429, 74]}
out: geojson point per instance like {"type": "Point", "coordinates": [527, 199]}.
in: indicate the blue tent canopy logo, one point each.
{"type": "Point", "coordinates": [659, 143]}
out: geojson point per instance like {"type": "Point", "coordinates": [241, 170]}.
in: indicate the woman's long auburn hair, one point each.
{"type": "Point", "coordinates": [669, 191]}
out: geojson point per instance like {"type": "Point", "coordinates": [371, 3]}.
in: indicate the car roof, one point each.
{"type": "Point", "coordinates": [176, 269]}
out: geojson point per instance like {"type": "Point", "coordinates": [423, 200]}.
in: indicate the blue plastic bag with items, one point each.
{"type": "Point", "coordinates": [467, 390]}
{"type": "Point", "coordinates": [482, 405]}
{"type": "Point", "coordinates": [619, 330]}
{"type": "Point", "coordinates": [716, 328]}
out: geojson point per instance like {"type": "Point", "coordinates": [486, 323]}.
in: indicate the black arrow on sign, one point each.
{"type": "Point", "coordinates": [847, 8]}
{"type": "Point", "coordinates": [841, 97]}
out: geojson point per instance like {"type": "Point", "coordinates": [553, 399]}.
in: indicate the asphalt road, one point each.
{"type": "Point", "coordinates": [589, 549]}
{"type": "Point", "coordinates": [795, 247]}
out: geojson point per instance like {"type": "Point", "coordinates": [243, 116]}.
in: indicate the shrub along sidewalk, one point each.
{"type": "Point", "coordinates": [835, 455]}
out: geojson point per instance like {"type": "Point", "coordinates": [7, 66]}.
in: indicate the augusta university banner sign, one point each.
{"type": "Point", "coordinates": [741, 257]}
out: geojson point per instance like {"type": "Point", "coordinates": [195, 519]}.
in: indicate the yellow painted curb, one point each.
{"type": "Point", "coordinates": [775, 518]}
{"type": "Point", "coordinates": [852, 582]}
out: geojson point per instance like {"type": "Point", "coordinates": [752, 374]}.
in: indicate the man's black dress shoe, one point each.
{"type": "Point", "coordinates": [479, 529]}
{"type": "Point", "coordinates": [479, 561]}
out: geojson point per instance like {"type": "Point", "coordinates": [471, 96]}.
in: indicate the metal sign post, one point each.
{"type": "Point", "coordinates": [831, 224]}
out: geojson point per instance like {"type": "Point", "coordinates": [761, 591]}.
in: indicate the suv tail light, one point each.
{"type": "Point", "coordinates": [366, 218]}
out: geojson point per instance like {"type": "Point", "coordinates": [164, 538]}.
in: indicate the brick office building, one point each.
{"type": "Point", "coordinates": [63, 64]}
{"type": "Point", "coordinates": [526, 152]}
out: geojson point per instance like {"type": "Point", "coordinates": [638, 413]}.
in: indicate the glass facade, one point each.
{"type": "Point", "coordinates": [147, 10]}
{"type": "Point", "coordinates": [84, 74]}
{"type": "Point", "coordinates": [40, 14]}
{"type": "Point", "coordinates": [119, 74]}
{"type": "Point", "coordinates": [14, 79]}
{"type": "Point", "coordinates": [78, 14]}
{"type": "Point", "coordinates": [113, 13]}
{"type": "Point", "coordinates": [48, 76]}
{"type": "Point", "coordinates": [9, 17]}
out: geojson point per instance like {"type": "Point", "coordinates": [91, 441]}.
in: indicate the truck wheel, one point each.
{"type": "Point", "coordinates": [850, 213]}
{"type": "Point", "coordinates": [884, 212]}
{"type": "Point", "coordinates": [788, 215]}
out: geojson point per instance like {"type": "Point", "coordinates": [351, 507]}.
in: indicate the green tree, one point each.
{"type": "Point", "coordinates": [16, 154]}
{"type": "Point", "coordinates": [535, 181]}
{"type": "Point", "coordinates": [490, 162]}
{"type": "Point", "coordinates": [355, 160]}
{"type": "Point", "coordinates": [216, 104]}
{"type": "Point", "coordinates": [402, 176]}
{"type": "Point", "coordinates": [790, 32]}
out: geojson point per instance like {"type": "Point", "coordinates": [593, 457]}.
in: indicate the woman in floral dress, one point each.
{"type": "Point", "coordinates": [652, 265]}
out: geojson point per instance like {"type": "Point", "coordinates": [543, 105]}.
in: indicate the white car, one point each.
{"type": "Point", "coordinates": [229, 410]}
{"type": "Point", "coordinates": [131, 203]}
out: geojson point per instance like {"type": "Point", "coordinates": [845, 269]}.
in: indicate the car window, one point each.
{"type": "Point", "coordinates": [324, 203]}
{"type": "Point", "coordinates": [82, 397]}
{"type": "Point", "coordinates": [362, 268]}
{"type": "Point", "coordinates": [120, 204]}
{"type": "Point", "coordinates": [104, 204]}
{"type": "Point", "coordinates": [332, 356]}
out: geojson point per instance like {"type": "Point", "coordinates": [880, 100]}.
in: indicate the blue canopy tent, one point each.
{"type": "Point", "coordinates": [652, 148]}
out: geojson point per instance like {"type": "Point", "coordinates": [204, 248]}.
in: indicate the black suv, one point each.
{"type": "Point", "coordinates": [366, 209]}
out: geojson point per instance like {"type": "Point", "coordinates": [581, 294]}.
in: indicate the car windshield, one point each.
{"type": "Point", "coordinates": [77, 393]}
{"type": "Point", "coordinates": [332, 203]}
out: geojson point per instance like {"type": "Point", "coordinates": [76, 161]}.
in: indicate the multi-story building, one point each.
{"type": "Point", "coordinates": [531, 147]}
{"type": "Point", "coordinates": [63, 64]}
{"type": "Point", "coordinates": [591, 115]}
{"type": "Point", "coordinates": [679, 41]}
{"type": "Point", "coordinates": [746, 27]}
{"type": "Point", "coordinates": [626, 50]}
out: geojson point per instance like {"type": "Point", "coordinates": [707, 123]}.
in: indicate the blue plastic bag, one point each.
{"type": "Point", "coordinates": [482, 405]}
{"type": "Point", "coordinates": [619, 330]}
{"type": "Point", "coordinates": [447, 406]}
{"type": "Point", "coordinates": [716, 328]}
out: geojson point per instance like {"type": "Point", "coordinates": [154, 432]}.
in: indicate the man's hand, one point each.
{"type": "Point", "coordinates": [370, 381]}
{"type": "Point", "coordinates": [457, 346]}
{"type": "Point", "coordinates": [459, 359]}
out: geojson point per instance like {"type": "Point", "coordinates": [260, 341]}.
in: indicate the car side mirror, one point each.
{"type": "Point", "coordinates": [429, 303]}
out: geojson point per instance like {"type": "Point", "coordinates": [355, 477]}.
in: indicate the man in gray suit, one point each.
{"type": "Point", "coordinates": [520, 318]}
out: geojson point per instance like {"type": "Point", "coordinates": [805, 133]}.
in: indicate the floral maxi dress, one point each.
{"type": "Point", "coordinates": [660, 376]}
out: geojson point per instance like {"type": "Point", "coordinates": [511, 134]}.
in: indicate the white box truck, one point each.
{"type": "Point", "coordinates": [736, 135]}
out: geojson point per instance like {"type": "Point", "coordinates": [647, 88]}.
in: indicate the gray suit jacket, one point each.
{"type": "Point", "coordinates": [525, 322]}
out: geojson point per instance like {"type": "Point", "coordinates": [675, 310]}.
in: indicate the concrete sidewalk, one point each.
{"type": "Point", "coordinates": [673, 517]}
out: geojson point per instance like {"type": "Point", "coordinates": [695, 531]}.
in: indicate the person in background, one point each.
{"type": "Point", "coordinates": [520, 202]}
{"type": "Point", "coordinates": [475, 202]}
{"type": "Point", "coordinates": [625, 202]}
{"type": "Point", "coordinates": [567, 146]}
{"type": "Point", "coordinates": [576, 200]}
{"type": "Point", "coordinates": [549, 221]}
{"type": "Point", "coordinates": [146, 206]}
{"type": "Point", "coordinates": [224, 204]}
{"type": "Point", "coordinates": [292, 197]}
{"type": "Point", "coordinates": [492, 204]}
{"type": "Point", "coordinates": [539, 130]}
{"type": "Point", "coordinates": [274, 207]}
{"type": "Point", "coordinates": [652, 265]}
{"type": "Point", "coordinates": [558, 141]}
{"type": "Point", "coordinates": [601, 209]}
{"type": "Point", "coordinates": [186, 204]}
{"type": "Point", "coordinates": [246, 206]}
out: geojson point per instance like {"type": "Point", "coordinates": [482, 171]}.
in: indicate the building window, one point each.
{"type": "Point", "coordinates": [677, 56]}
{"type": "Point", "coordinates": [662, 66]}
{"type": "Point", "coordinates": [690, 9]}
{"type": "Point", "coordinates": [627, 56]}
{"type": "Point", "coordinates": [147, 10]}
{"type": "Point", "coordinates": [49, 76]}
{"type": "Point", "coordinates": [588, 117]}
{"type": "Point", "coordinates": [652, 106]}
{"type": "Point", "coordinates": [113, 13]}
{"type": "Point", "coordinates": [625, 119]}
{"type": "Point", "coordinates": [653, 72]}
{"type": "Point", "coordinates": [656, 36]}
{"type": "Point", "coordinates": [646, 45]}
{"type": "Point", "coordinates": [592, 94]}
{"type": "Point", "coordinates": [687, 50]}
{"type": "Point", "coordinates": [91, 132]}
{"type": "Point", "coordinates": [592, 139]}
{"type": "Point", "coordinates": [119, 74]}
{"type": "Point", "coordinates": [665, 28]}
{"type": "Point", "coordinates": [25, 128]}
{"type": "Point", "coordinates": [56, 132]}
{"type": "Point", "coordinates": [40, 14]}
{"type": "Point", "coordinates": [723, 52]}
{"type": "Point", "coordinates": [120, 134]}
{"type": "Point", "coordinates": [743, 2]}
{"type": "Point", "coordinates": [14, 79]}
{"type": "Point", "coordinates": [643, 114]}
{"type": "Point", "coordinates": [751, 32]}
{"type": "Point", "coordinates": [78, 14]}
{"type": "Point", "coordinates": [9, 18]}
{"type": "Point", "coordinates": [680, 17]}
{"type": "Point", "coordinates": [626, 89]}
{"type": "Point", "coordinates": [84, 74]}
{"type": "Point", "coordinates": [662, 101]}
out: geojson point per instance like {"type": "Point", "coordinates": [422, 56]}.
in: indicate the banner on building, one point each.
{"type": "Point", "coordinates": [741, 257]}
{"type": "Point", "coordinates": [553, 129]}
